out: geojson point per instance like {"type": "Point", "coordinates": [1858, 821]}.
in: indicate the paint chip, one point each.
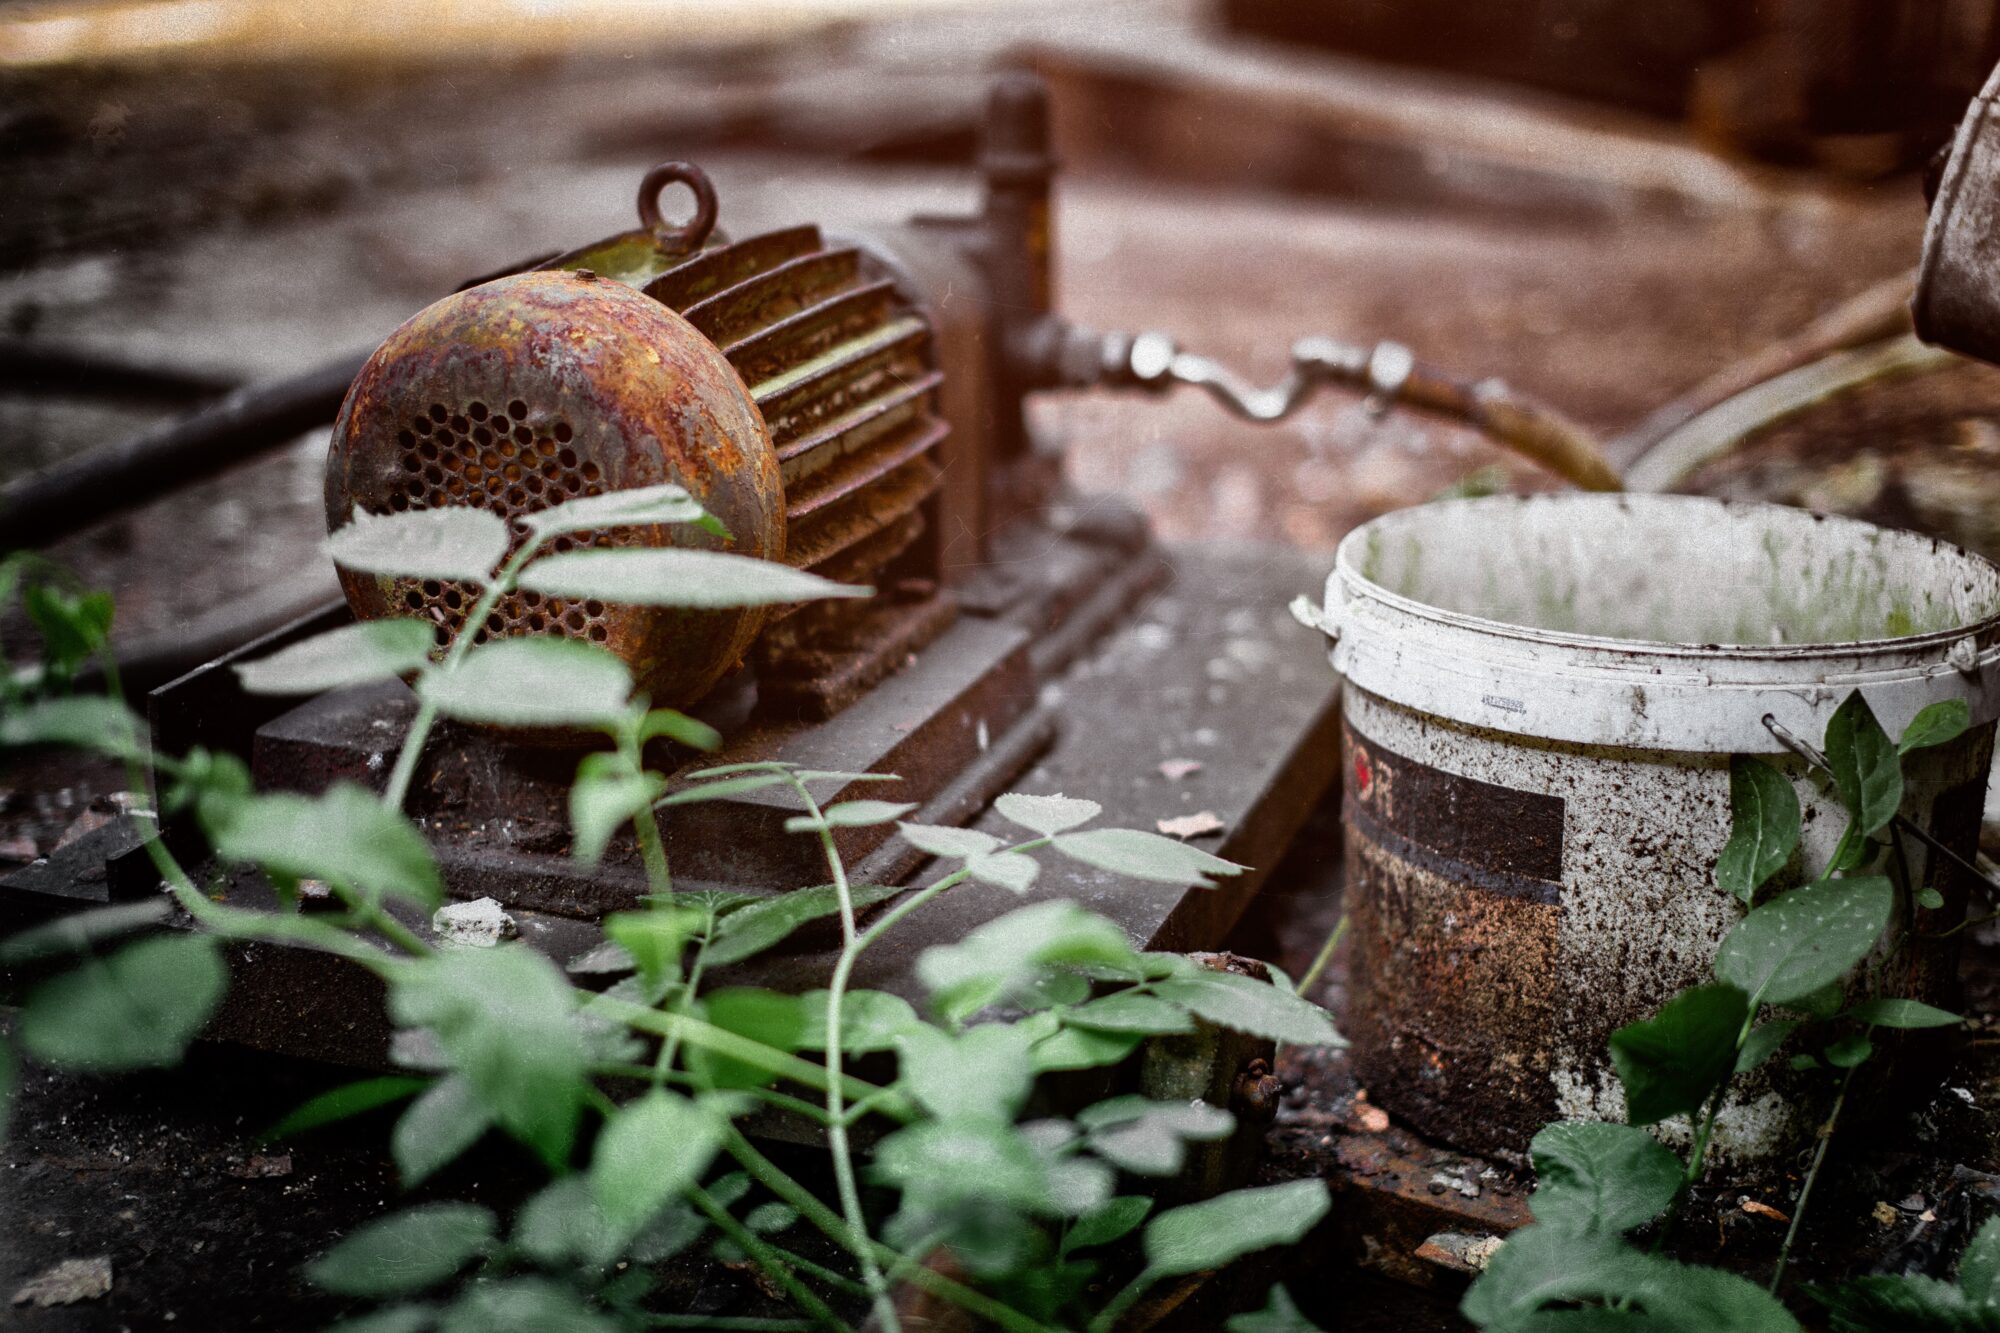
{"type": "Point", "coordinates": [68, 1282]}
{"type": "Point", "coordinates": [1196, 825]}
{"type": "Point", "coordinates": [479, 924]}
{"type": "Point", "coordinates": [1175, 769]}
{"type": "Point", "coordinates": [1885, 1214]}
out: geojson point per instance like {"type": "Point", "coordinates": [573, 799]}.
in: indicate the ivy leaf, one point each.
{"type": "Point", "coordinates": [350, 655]}
{"type": "Point", "coordinates": [83, 722]}
{"type": "Point", "coordinates": [638, 506]}
{"type": "Point", "coordinates": [344, 836]}
{"type": "Point", "coordinates": [1145, 856]}
{"type": "Point", "coordinates": [1246, 1004]}
{"type": "Point", "coordinates": [504, 1019]}
{"type": "Point", "coordinates": [764, 1016]}
{"type": "Point", "coordinates": [1601, 1177]}
{"type": "Point", "coordinates": [1671, 1062]}
{"type": "Point", "coordinates": [407, 1251]}
{"type": "Point", "coordinates": [1279, 1315]}
{"type": "Point", "coordinates": [607, 793]}
{"type": "Point", "coordinates": [653, 940]}
{"type": "Point", "coordinates": [437, 1129]}
{"type": "Point", "coordinates": [1006, 958]}
{"type": "Point", "coordinates": [563, 1225]}
{"type": "Point", "coordinates": [1149, 1138]}
{"type": "Point", "coordinates": [453, 543]}
{"type": "Point", "coordinates": [1764, 827]}
{"type": "Point", "coordinates": [1913, 1304]}
{"type": "Point", "coordinates": [1215, 1232]}
{"type": "Point", "coordinates": [870, 1020]}
{"type": "Point", "coordinates": [345, 1102]}
{"type": "Point", "coordinates": [1047, 815]}
{"type": "Point", "coordinates": [1866, 768]}
{"type": "Point", "coordinates": [943, 840]}
{"type": "Point", "coordinates": [1007, 870]}
{"type": "Point", "coordinates": [850, 814]}
{"type": "Point", "coordinates": [1803, 940]}
{"type": "Point", "coordinates": [1132, 1011]}
{"type": "Point", "coordinates": [1081, 1048]}
{"type": "Point", "coordinates": [1902, 1014]}
{"type": "Point", "coordinates": [1543, 1266]}
{"type": "Point", "coordinates": [650, 1152]}
{"type": "Point", "coordinates": [1763, 1043]}
{"type": "Point", "coordinates": [672, 576]}
{"type": "Point", "coordinates": [1111, 1220]}
{"type": "Point", "coordinates": [533, 682]}
{"type": "Point", "coordinates": [137, 1009]}
{"type": "Point", "coordinates": [749, 931]}
{"type": "Point", "coordinates": [1979, 1266]}
{"type": "Point", "coordinates": [981, 1074]}
{"type": "Point", "coordinates": [1935, 724]}
{"type": "Point", "coordinates": [1849, 1051]}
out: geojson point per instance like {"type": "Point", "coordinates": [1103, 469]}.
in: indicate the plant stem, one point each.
{"type": "Point", "coordinates": [727, 1322]}
{"type": "Point", "coordinates": [1128, 1295]}
{"type": "Point", "coordinates": [754, 1245]}
{"type": "Point", "coordinates": [836, 1102]}
{"type": "Point", "coordinates": [1812, 1174]}
{"type": "Point", "coordinates": [1313, 973]}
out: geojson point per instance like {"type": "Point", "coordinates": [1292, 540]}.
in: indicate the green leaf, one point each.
{"type": "Point", "coordinates": [1149, 1138]}
{"type": "Point", "coordinates": [1111, 1220]}
{"type": "Point", "coordinates": [749, 931]}
{"type": "Point", "coordinates": [83, 722]}
{"type": "Point", "coordinates": [1929, 897]}
{"type": "Point", "coordinates": [393, 1319]}
{"type": "Point", "coordinates": [764, 1016]}
{"type": "Point", "coordinates": [1671, 1062]}
{"type": "Point", "coordinates": [678, 726]}
{"type": "Point", "coordinates": [453, 543]}
{"type": "Point", "coordinates": [137, 1009]}
{"type": "Point", "coordinates": [1217, 1231]}
{"type": "Point", "coordinates": [1805, 939]}
{"type": "Point", "coordinates": [1979, 1266]}
{"type": "Point", "coordinates": [562, 1225]}
{"type": "Point", "coordinates": [653, 939]}
{"type": "Point", "coordinates": [1007, 870]}
{"type": "Point", "coordinates": [1866, 768]}
{"type": "Point", "coordinates": [731, 786]}
{"type": "Point", "coordinates": [504, 1019]}
{"type": "Point", "coordinates": [344, 836]}
{"type": "Point", "coordinates": [1902, 1014]}
{"type": "Point", "coordinates": [1601, 1177]}
{"type": "Point", "coordinates": [1081, 1048]}
{"type": "Point", "coordinates": [870, 1020]}
{"type": "Point", "coordinates": [1764, 826]}
{"type": "Point", "coordinates": [1541, 1267]}
{"type": "Point", "coordinates": [607, 793]}
{"type": "Point", "coordinates": [533, 682]}
{"type": "Point", "coordinates": [345, 1102]}
{"type": "Point", "coordinates": [1245, 1004]}
{"type": "Point", "coordinates": [1279, 1315]}
{"type": "Point", "coordinates": [671, 576]}
{"type": "Point", "coordinates": [523, 1305]}
{"type": "Point", "coordinates": [438, 1129]}
{"type": "Point", "coordinates": [1047, 815]}
{"type": "Point", "coordinates": [1007, 958]}
{"type": "Point", "coordinates": [1145, 856]}
{"type": "Point", "coordinates": [72, 625]}
{"type": "Point", "coordinates": [79, 931]}
{"type": "Point", "coordinates": [850, 814]}
{"type": "Point", "coordinates": [1132, 1011]}
{"type": "Point", "coordinates": [942, 1162]}
{"type": "Point", "coordinates": [943, 840]}
{"type": "Point", "coordinates": [649, 1153]}
{"type": "Point", "coordinates": [1849, 1051]}
{"type": "Point", "coordinates": [638, 506]}
{"type": "Point", "coordinates": [350, 655]}
{"type": "Point", "coordinates": [406, 1252]}
{"type": "Point", "coordinates": [1903, 1305]}
{"type": "Point", "coordinates": [1936, 724]}
{"type": "Point", "coordinates": [1763, 1043]}
{"type": "Point", "coordinates": [983, 1073]}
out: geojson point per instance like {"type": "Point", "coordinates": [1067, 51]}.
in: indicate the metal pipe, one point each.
{"type": "Point", "coordinates": [57, 501]}
{"type": "Point", "coordinates": [38, 369]}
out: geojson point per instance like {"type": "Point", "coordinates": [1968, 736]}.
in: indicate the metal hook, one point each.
{"type": "Point", "coordinates": [691, 234]}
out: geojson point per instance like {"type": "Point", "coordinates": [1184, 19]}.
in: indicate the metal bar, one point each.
{"type": "Point", "coordinates": [39, 369]}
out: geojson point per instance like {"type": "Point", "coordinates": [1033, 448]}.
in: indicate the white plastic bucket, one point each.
{"type": "Point", "coordinates": [1542, 696]}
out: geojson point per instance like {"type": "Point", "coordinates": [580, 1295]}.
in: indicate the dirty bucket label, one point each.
{"type": "Point", "coordinates": [1464, 830]}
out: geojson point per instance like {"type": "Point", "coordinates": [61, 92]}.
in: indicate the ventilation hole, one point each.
{"type": "Point", "coordinates": [460, 424]}
{"type": "Point", "coordinates": [573, 620]}
{"type": "Point", "coordinates": [481, 436]}
{"type": "Point", "coordinates": [414, 600]}
{"type": "Point", "coordinates": [399, 502]}
{"type": "Point", "coordinates": [573, 484]}
{"type": "Point", "coordinates": [517, 410]}
{"type": "Point", "coordinates": [480, 637]}
{"type": "Point", "coordinates": [440, 635]}
{"type": "Point", "coordinates": [567, 458]}
{"type": "Point", "coordinates": [591, 472]}
{"type": "Point", "coordinates": [563, 431]}
{"type": "Point", "coordinates": [474, 475]}
{"type": "Point", "coordinates": [452, 599]}
{"type": "Point", "coordinates": [477, 411]}
{"type": "Point", "coordinates": [434, 474]}
{"type": "Point", "coordinates": [522, 434]}
{"type": "Point", "coordinates": [555, 606]}
{"type": "Point", "coordinates": [508, 449]}
{"type": "Point", "coordinates": [422, 424]}
{"type": "Point", "coordinates": [438, 413]}
{"type": "Point", "coordinates": [406, 438]}
{"type": "Point", "coordinates": [517, 497]}
{"type": "Point", "coordinates": [432, 587]}
{"type": "Point", "coordinates": [455, 485]}
{"type": "Point", "coordinates": [546, 448]}
{"type": "Point", "coordinates": [428, 449]}
{"type": "Point", "coordinates": [598, 634]}
{"type": "Point", "coordinates": [534, 484]}
{"type": "Point", "coordinates": [416, 489]}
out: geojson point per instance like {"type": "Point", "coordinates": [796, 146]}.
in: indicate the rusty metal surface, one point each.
{"type": "Point", "coordinates": [543, 387]}
{"type": "Point", "coordinates": [1958, 286]}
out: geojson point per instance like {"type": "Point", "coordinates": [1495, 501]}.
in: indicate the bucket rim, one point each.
{"type": "Point", "coordinates": [1357, 586]}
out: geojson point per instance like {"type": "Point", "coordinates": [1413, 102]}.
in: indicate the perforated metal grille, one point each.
{"type": "Point", "coordinates": [497, 458]}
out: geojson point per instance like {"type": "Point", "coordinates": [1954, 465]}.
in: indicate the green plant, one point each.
{"type": "Point", "coordinates": [628, 1072]}
{"type": "Point", "coordinates": [1781, 978]}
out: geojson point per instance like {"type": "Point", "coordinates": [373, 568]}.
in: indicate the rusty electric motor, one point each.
{"type": "Point", "coordinates": [786, 384]}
